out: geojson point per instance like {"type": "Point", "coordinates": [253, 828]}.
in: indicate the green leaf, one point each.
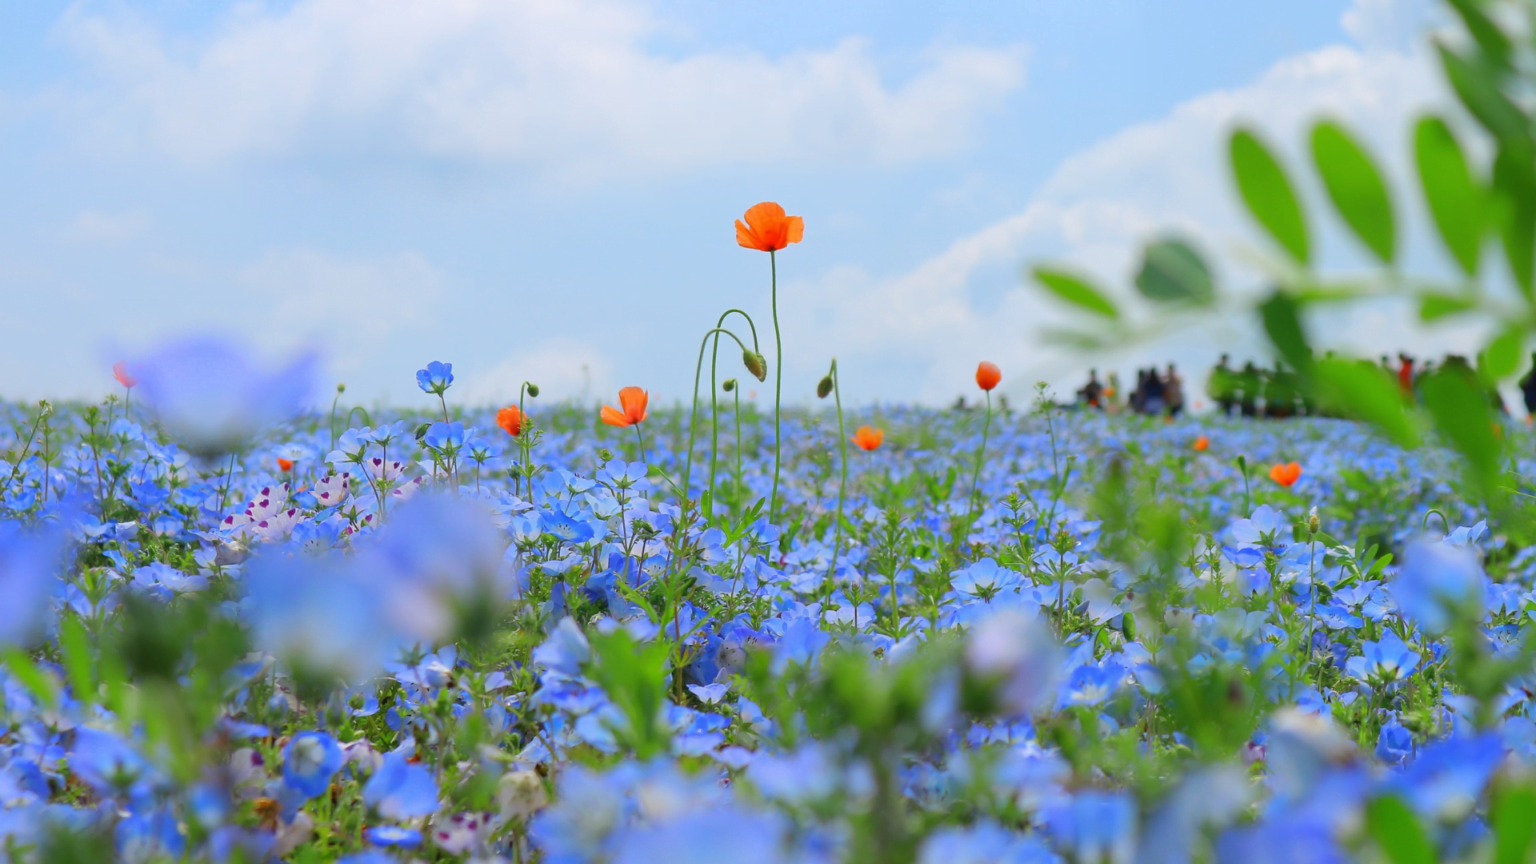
{"type": "Point", "coordinates": [1514, 182]}
{"type": "Point", "coordinates": [1173, 272]}
{"type": "Point", "coordinates": [1268, 194]}
{"type": "Point", "coordinates": [1398, 832]}
{"type": "Point", "coordinates": [1513, 826]}
{"type": "Point", "coordinates": [31, 677]}
{"type": "Point", "coordinates": [1503, 355]}
{"type": "Point", "coordinates": [1077, 291]}
{"type": "Point", "coordinates": [1459, 407]}
{"type": "Point", "coordinates": [77, 658]}
{"type": "Point", "coordinates": [1495, 44]}
{"type": "Point", "coordinates": [1355, 186]}
{"type": "Point", "coordinates": [1282, 321]}
{"type": "Point", "coordinates": [1456, 198]}
{"type": "Point", "coordinates": [1477, 87]}
{"type": "Point", "coordinates": [1433, 307]}
{"type": "Point", "coordinates": [1364, 391]}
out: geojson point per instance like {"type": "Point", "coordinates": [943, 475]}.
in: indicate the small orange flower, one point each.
{"type": "Point", "coordinates": [510, 419]}
{"type": "Point", "coordinates": [767, 229]}
{"type": "Point", "coordinates": [1286, 474]}
{"type": "Point", "coordinates": [120, 372]}
{"type": "Point", "coordinates": [987, 375]}
{"type": "Point", "coordinates": [868, 438]}
{"type": "Point", "coordinates": [284, 465]}
{"type": "Point", "coordinates": [1202, 444]}
{"type": "Point", "coordinates": [633, 400]}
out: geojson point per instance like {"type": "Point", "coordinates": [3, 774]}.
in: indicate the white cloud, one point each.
{"type": "Point", "coordinates": [568, 85]}
{"type": "Point", "coordinates": [97, 226]}
{"type": "Point", "coordinates": [564, 369]}
{"type": "Point", "coordinates": [355, 309]}
{"type": "Point", "coordinates": [1101, 205]}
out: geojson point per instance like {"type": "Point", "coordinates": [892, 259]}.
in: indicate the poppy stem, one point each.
{"type": "Point", "coordinates": [714, 408]}
{"type": "Point", "coordinates": [778, 381]}
{"type": "Point", "coordinates": [980, 455]}
{"type": "Point", "coordinates": [842, 485]}
{"type": "Point", "coordinates": [693, 418]}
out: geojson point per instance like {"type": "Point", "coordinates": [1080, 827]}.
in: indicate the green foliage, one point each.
{"type": "Point", "coordinates": [1513, 818]}
{"type": "Point", "coordinates": [1397, 831]}
{"type": "Point", "coordinates": [1268, 194]}
{"type": "Point", "coordinates": [1173, 272]}
{"type": "Point", "coordinates": [1460, 412]}
{"type": "Point", "coordinates": [1356, 188]}
{"type": "Point", "coordinates": [1364, 391]}
{"type": "Point", "coordinates": [1076, 291]}
{"type": "Point", "coordinates": [1456, 199]}
{"type": "Point", "coordinates": [635, 678]}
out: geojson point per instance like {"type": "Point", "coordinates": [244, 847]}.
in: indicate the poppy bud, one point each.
{"type": "Point", "coordinates": [421, 431]}
{"type": "Point", "coordinates": [729, 385]}
{"type": "Point", "coordinates": [824, 387]}
{"type": "Point", "coordinates": [340, 387]}
{"type": "Point", "coordinates": [755, 364]}
{"type": "Point", "coordinates": [533, 390]}
{"type": "Point", "coordinates": [1313, 523]}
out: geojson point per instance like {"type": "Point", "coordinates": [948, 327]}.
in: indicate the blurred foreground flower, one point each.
{"type": "Point", "coordinates": [1014, 651]}
{"type": "Point", "coordinates": [1286, 474]}
{"type": "Point", "coordinates": [988, 375]}
{"type": "Point", "coordinates": [30, 567]}
{"type": "Point", "coordinates": [211, 395]}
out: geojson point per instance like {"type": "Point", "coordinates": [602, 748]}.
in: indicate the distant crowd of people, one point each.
{"type": "Point", "coordinates": [1267, 391]}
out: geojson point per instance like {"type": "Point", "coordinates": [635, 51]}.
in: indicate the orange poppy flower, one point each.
{"type": "Point", "coordinates": [633, 400]}
{"type": "Point", "coordinates": [284, 464]}
{"type": "Point", "coordinates": [120, 372]}
{"type": "Point", "coordinates": [510, 419]}
{"type": "Point", "coordinates": [868, 438]}
{"type": "Point", "coordinates": [987, 375]}
{"type": "Point", "coordinates": [1286, 474]}
{"type": "Point", "coordinates": [767, 229]}
{"type": "Point", "coordinates": [1202, 444]}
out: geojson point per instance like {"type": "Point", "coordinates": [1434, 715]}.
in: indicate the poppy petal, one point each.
{"type": "Point", "coordinates": [794, 230]}
{"type": "Point", "coordinates": [634, 401]}
{"type": "Point", "coordinates": [613, 417]}
{"type": "Point", "coordinates": [747, 238]}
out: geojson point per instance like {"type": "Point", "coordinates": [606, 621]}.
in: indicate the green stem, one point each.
{"type": "Point", "coordinates": [714, 409]}
{"type": "Point", "coordinates": [778, 383]}
{"type": "Point", "coordinates": [698, 370]}
{"type": "Point", "coordinates": [334, 403]}
{"type": "Point", "coordinates": [737, 417]}
{"type": "Point", "coordinates": [980, 456]}
{"type": "Point", "coordinates": [842, 485]}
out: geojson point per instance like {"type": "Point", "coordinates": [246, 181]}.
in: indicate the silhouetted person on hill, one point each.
{"type": "Point", "coordinates": [1248, 389]}
{"type": "Point", "coordinates": [1173, 391]}
{"type": "Point", "coordinates": [1156, 397]}
{"type": "Point", "coordinates": [1092, 393]}
{"type": "Point", "coordinates": [1222, 386]}
{"type": "Point", "coordinates": [1528, 387]}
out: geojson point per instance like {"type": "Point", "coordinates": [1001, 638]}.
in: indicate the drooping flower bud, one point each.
{"type": "Point", "coordinates": [756, 364]}
{"type": "Point", "coordinates": [824, 387]}
{"type": "Point", "coordinates": [533, 390]}
{"type": "Point", "coordinates": [729, 385]}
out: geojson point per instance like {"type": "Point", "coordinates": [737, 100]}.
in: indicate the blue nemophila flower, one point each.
{"type": "Point", "coordinates": [1439, 581]}
{"type": "Point", "coordinates": [1016, 651]}
{"type": "Point", "coordinates": [211, 395]}
{"type": "Point", "coordinates": [983, 580]}
{"type": "Point", "coordinates": [708, 836]}
{"type": "Point", "coordinates": [566, 650]}
{"type": "Point", "coordinates": [151, 835]}
{"type": "Point", "coordinates": [1379, 662]}
{"type": "Point", "coordinates": [310, 760]}
{"type": "Point", "coordinates": [1094, 826]}
{"type": "Point", "coordinates": [983, 843]}
{"type": "Point", "coordinates": [1280, 842]}
{"type": "Point", "coordinates": [1449, 777]}
{"type": "Point", "coordinates": [1395, 743]}
{"type": "Point", "coordinates": [30, 567]}
{"type": "Point", "coordinates": [446, 438]}
{"type": "Point", "coordinates": [401, 789]}
{"type": "Point", "coordinates": [436, 378]}
{"type": "Point", "coordinates": [393, 835]}
{"type": "Point", "coordinates": [320, 611]}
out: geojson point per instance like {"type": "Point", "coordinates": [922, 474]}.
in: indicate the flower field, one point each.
{"type": "Point", "coordinates": [451, 634]}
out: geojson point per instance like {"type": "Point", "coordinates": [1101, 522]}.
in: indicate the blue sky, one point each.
{"type": "Point", "coordinates": [545, 188]}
